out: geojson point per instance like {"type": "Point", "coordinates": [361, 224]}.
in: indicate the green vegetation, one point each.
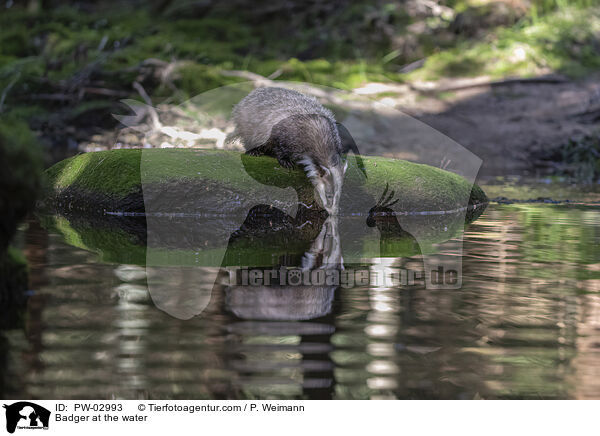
{"type": "Point", "coordinates": [581, 158]}
{"type": "Point", "coordinates": [555, 188]}
{"type": "Point", "coordinates": [61, 50]}
{"type": "Point", "coordinates": [116, 174]}
{"type": "Point", "coordinates": [64, 61]}
{"type": "Point", "coordinates": [564, 41]}
{"type": "Point", "coordinates": [64, 66]}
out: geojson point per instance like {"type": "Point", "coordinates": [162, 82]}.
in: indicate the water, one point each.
{"type": "Point", "coordinates": [525, 324]}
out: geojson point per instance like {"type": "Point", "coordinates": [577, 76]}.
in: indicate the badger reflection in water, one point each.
{"type": "Point", "coordinates": [292, 298]}
{"type": "Point", "coordinates": [303, 312]}
{"type": "Point", "coordinates": [273, 311]}
{"type": "Point", "coordinates": [280, 300]}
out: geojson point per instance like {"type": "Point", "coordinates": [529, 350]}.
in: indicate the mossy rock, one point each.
{"type": "Point", "coordinates": [194, 199]}
{"type": "Point", "coordinates": [220, 181]}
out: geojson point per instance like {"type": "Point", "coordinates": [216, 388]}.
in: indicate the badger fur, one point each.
{"type": "Point", "coordinates": [297, 130]}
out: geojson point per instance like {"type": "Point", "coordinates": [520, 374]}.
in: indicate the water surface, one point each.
{"type": "Point", "coordinates": [525, 324]}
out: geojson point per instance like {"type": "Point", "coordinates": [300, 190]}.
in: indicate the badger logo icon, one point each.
{"type": "Point", "coordinates": [26, 415]}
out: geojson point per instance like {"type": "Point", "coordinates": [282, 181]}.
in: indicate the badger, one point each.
{"type": "Point", "coordinates": [297, 130]}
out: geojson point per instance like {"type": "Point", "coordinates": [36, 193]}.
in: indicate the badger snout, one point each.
{"type": "Point", "coordinates": [328, 188]}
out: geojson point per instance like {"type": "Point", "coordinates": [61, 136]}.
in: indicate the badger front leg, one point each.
{"type": "Point", "coordinates": [283, 157]}
{"type": "Point", "coordinates": [257, 151]}
{"type": "Point", "coordinates": [285, 162]}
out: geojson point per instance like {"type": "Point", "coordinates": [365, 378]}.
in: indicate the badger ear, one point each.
{"type": "Point", "coordinates": [348, 144]}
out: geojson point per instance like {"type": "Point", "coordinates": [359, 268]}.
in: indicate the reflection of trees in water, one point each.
{"type": "Point", "coordinates": [26, 315]}
{"type": "Point", "coordinates": [515, 330]}
{"type": "Point", "coordinates": [521, 268]}
{"type": "Point", "coordinates": [525, 324]}
{"type": "Point", "coordinates": [585, 377]}
{"type": "Point", "coordinates": [36, 253]}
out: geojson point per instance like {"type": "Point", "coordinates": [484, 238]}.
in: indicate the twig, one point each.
{"type": "Point", "coordinates": [158, 68]}
{"type": "Point", "coordinates": [275, 74]}
{"type": "Point", "coordinates": [248, 75]}
{"type": "Point", "coordinates": [445, 162]}
{"type": "Point", "coordinates": [103, 42]}
{"type": "Point", "coordinates": [492, 83]}
{"type": "Point", "coordinates": [174, 132]}
{"type": "Point", "coordinates": [260, 81]}
{"type": "Point", "coordinates": [590, 116]}
{"type": "Point", "coordinates": [54, 97]}
{"type": "Point", "coordinates": [412, 66]}
{"type": "Point", "coordinates": [82, 77]}
{"type": "Point", "coordinates": [156, 125]}
{"type": "Point", "coordinates": [105, 91]}
{"type": "Point", "coordinates": [7, 89]}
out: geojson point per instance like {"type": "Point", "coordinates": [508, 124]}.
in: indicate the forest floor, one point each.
{"type": "Point", "coordinates": [65, 71]}
{"type": "Point", "coordinates": [513, 126]}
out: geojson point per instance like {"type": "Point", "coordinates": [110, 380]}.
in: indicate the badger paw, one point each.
{"type": "Point", "coordinates": [286, 163]}
{"type": "Point", "coordinates": [257, 151]}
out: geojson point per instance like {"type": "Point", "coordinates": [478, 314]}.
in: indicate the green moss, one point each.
{"type": "Point", "coordinates": [64, 41]}
{"type": "Point", "coordinates": [50, 48]}
{"type": "Point", "coordinates": [110, 172]}
{"type": "Point", "coordinates": [343, 74]}
{"type": "Point", "coordinates": [195, 78]}
{"type": "Point", "coordinates": [419, 187]}
{"type": "Point", "coordinates": [117, 173]}
{"type": "Point", "coordinates": [564, 41]}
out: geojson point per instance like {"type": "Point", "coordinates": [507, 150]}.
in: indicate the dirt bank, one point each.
{"type": "Point", "coordinates": [510, 126]}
